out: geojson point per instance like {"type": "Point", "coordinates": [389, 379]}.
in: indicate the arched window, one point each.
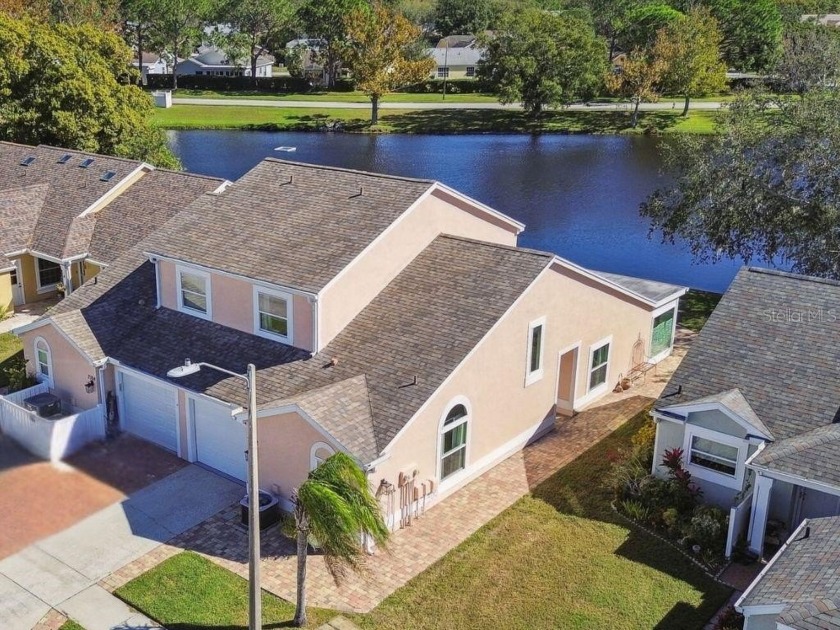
{"type": "Point", "coordinates": [43, 360]}
{"type": "Point", "coordinates": [318, 453]}
{"type": "Point", "coordinates": [453, 446]}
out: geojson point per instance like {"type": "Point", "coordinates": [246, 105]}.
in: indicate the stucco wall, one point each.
{"type": "Point", "coordinates": [70, 369]}
{"type": "Point", "coordinates": [505, 413]}
{"type": "Point", "coordinates": [232, 304]}
{"type": "Point", "coordinates": [285, 444]}
{"type": "Point", "coordinates": [6, 301]}
{"type": "Point", "coordinates": [368, 275]}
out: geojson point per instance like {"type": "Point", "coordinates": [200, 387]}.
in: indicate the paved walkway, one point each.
{"type": "Point", "coordinates": [223, 540]}
{"type": "Point", "coordinates": [384, 105]}
{"type": "Point", "coordinates": [26, 314]}
{"type": "Point", "coordinates": [62, 572]}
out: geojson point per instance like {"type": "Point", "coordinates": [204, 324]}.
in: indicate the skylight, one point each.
{"type": "Point", "coordinates": [107, 176]}
{"type": "Point", "coordinates": [65, 158]}
{"type": "Point", "coordinates": [27, 160]}
{"type": "Point", "coordinates": [86, 162]}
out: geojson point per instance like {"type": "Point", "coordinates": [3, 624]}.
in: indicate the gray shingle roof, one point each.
{"type": "Point", "coordinates": [651, 290]}
{"type": "Point", "coordinates": [814, 455]}
{"type": "Point", "coordinates": [310, 222]}
{"type": "Point", "coordinates": [734, 401]}
{"type": "Point", "coordinates": [40, 204]}
{"type": "Point", "coordinates": [821, 614]}
{"type": "Point", "coordinates": [404, 343]}
{"type": "Point", "coordinates": [770, 337]}
{"type": "Point", "coordinates": [806, 570]}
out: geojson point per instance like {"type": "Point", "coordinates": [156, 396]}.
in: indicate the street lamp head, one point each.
{"type": "Point", "coordinates": [184, 370]}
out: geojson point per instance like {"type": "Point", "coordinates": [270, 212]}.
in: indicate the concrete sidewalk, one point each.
{"type": "Point", "coordinates": [383, 105]}
{"type": "Point", "coordinates": [62, 571]}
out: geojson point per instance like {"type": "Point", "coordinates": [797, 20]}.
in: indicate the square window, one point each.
{"type": "Point", "coordinates": [273, 314]}
{"type": "Point", "coordinates": [49, 273]}
{"type": "Point", "coordinates": [194, 292]}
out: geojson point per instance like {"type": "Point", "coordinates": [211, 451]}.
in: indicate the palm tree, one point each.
{"type": "Point", "coordinates": [334, 509]}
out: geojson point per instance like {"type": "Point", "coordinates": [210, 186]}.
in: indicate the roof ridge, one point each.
{"type": "Point", "coordinates": [515, 248]}
{"type": "Point", "coordinates": [803, 611]}
{"type": "Point", "coordinates": [814, 437]}
{"type": "Point", "coordinates": [351, 170]}
{"type": "Point", "coordinates": [793, 276]}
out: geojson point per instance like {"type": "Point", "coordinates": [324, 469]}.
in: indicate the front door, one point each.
{"type": "Point", "coordinates": [17, 284]}
{"type": "Point", "coordinates": [566, 371]}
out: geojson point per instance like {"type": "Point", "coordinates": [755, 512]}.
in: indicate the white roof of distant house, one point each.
{"type": "Point", "coordinates": [826, 19]}
{"type": "Point", "coordinates": [213, 56]}
{"type": "Point", "coordinates": [461, 56]}
{"type": "Point", "coordinates": [148, 58]}
{"type": "Point", "coordinates": [310, 42]}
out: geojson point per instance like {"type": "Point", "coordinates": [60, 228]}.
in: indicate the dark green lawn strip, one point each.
{"type": "Point", "coordinates": [188, 592]}
{"type": "Point", "coordinates": [10, 346]}
{"type": "Point", "coordinates": [558, 559]}
{"type": "Point", "coordinates": [695, 308]}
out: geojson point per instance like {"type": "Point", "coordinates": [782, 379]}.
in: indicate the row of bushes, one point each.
{"type": "Point", "coordinates": [670, 505]}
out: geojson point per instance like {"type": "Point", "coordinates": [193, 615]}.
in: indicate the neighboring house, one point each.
{"type": "Point", "coordinates": [755, 405]}
{"type": "Point", "coordinates": [66, 214]}
{"type": "Point", "coordinates": [391, 318]}
{"type": "Point", "coordinates": [211, 61]}
{"type": "Point", "coordinates": [152, 64]}
{"type": "Point", "coordinates": [799, 589]}
{"type": "Point", "coordinates": [456, 57]}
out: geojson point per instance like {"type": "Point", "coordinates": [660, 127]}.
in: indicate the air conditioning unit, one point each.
{"type": "Point", "coordinates": [45, 405]}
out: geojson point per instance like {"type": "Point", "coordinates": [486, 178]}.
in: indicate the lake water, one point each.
{"type": "Point", "coordinates": [578, 195]}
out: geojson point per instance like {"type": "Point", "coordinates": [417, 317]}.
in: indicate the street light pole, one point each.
{"type": "Point", "coordinates": [250, 377]}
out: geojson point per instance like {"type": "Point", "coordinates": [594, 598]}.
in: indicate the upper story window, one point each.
{"type": "Point", "coordinates": [43, 360]}
{"type": "Point", "coordinates": [319, 453]}
{"type": "Point", "coordinates": [273, 314]}
{"type": "Point", "coordinates": [194, 292]}
{"type": "Point", "coordinates": [715, 456]}
{"type": "Point", "coordinates": [599, 364]}
{"type": "Point", "coordinates": [49, 274]}
{"type": "Point", "coordinates": [536, 343]}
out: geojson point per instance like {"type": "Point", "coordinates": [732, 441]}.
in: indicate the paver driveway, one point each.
{"type": "Point", "coordinates": [38, 498]}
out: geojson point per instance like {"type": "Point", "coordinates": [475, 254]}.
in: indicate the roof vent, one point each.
{"type": "Point", "coordinates": [86, 162]}
{"type": "Point", "coordinates": [107, 176]}
{"type": "Point", "coordinates": [27, 160]}
{"type": "Point", "coordinates": [65, 158]}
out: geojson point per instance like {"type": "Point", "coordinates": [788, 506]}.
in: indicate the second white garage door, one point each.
{"type": "Point", "coordinates": [220, 441]}
{"type": "Point", "coordinates": [149, 410]}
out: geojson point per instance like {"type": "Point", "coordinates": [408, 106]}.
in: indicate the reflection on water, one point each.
{"type": "Point", "coordinates": [578, 195]}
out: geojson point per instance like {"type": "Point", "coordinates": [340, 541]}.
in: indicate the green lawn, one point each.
{"type": "Point", "coordinates": [695, 308]}
{"type": "Point", "coordinates": [427, 121]}
{"type": "Point", "coordinates": [558, 559]}
{"type": "Point", "coordinates": [70, 625]}
{"type": "Point", "coordinates": [10, 345]}
{"type": "Point", "coordinates": [188, 592]}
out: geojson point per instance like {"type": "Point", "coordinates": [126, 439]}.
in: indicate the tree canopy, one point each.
{"type": "Point", "coordinates": [765, 188]}
{"type": "Point", "coordinates": [810, 58]}
{"type": "Point", "coordinates": [324, 20]}
{"type": "Point", "coordinates": [644, 22]}
{"type": "Point", "coordinates": [73, 86]}
{"type": "Point", "coordinates": [638, 78]}
{"type": "Point", "coordinates": [690, 49]}
{"type": "Point", "coordinates": [381, 51]}
{"type": "Point", "coordinates": [752, 31]}
{"type": "Point", "coordinates": [178, 25]}
{"type": "Point", "coordinates": [543, 60]}
{"type": "Point", "coordinates": [456, 17]}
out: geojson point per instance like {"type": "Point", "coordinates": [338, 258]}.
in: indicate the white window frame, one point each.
{"type": "Point", "coordinates": [208, 291]}
{"type": "Point", "coordinates": [594, 391]}
{"type": "Point", "coordinates": [661, 311]}
{"type": "Point", "coordinates": [314, 459]}
{"type": "Point", "coordinates": [43, 378]}
{"type": "Point", "coordinates": [457, 476]}
{"type": "Point", "coordinates": [532, 377]}
{"type": "Point", "coordinates": [290, 307]}
{"type": "Point", "coordinates": [707, 474]}
{"type": "Point", "coordinates": [46, 288]}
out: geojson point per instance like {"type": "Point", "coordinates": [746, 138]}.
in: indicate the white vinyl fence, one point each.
{"type": "Point", "coordinates": [52, 439]}
{"type": "Point", "coordinates": [739, 515]}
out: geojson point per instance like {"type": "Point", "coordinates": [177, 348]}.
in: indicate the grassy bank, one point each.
{"type": "Point", "coordinates": [695, 308]}
{"type": "Point", "coordinates": [337, 97]}
{"type": "Point", "coordinates": [427, 121]}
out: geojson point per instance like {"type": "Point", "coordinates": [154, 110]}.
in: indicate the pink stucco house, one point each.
{"type": "Point", "coordinates": [392, 318]}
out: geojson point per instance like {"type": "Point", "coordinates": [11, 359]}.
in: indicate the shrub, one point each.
{"type": "Point", "coordinates": [672, 520]}
{"type": "Point", "coordinates": [684, 492]}
{"type": "Point", "coordinates": [730, 619]}
{"type": "Point", "coordinates": [635, 510]}
{"type": "Point", "coordinates": [16, 374]}
{"type": "Point", "coordinates": [646, 436]}
{"type": "Point", "coordinates": [707, 526]}
{"type": "Point", "coordinates": [625, 477]}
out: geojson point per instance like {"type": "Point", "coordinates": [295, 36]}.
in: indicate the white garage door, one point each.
{"type": "Point", "coordinates": [220, 441]}
{"type": "Point", "coordinates": [149, 410]}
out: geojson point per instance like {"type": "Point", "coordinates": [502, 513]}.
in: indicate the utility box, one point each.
{"type": "Point", "coordinates": [163, 98]}
{"type": "Point", "coordinates": [45, 405]}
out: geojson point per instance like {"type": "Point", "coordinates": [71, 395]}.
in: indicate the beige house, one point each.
{"type": "Point", "coordinates": [456, 57]}
{"type": "Point", "coordinates": [66, 214]}
{"type": "Point", "coordinates": [394, 319]}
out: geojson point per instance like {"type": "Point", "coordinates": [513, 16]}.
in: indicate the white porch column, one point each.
{"type": "Point", "coordinates": [760, 510]}
{"type": "Point", "coordinates": [67, 277]}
